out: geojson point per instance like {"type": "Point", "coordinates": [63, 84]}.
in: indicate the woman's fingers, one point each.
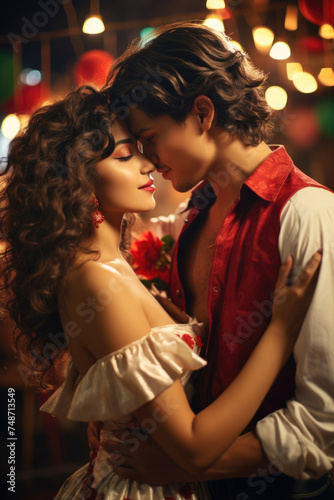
{"type": "Point", "coordinates": [284, 273]}
{"type": "Point", "coordinates": [309, 274]}
{"type": "Point", "coordinates": [292, 302]}
{"type": "Point", "coordinates": [304, 277]}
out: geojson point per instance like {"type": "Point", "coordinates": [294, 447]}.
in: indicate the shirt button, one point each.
{"type": "Point", "coordinates": [178, 293]}
{"type": "Point", "coordinates": [216, 288]}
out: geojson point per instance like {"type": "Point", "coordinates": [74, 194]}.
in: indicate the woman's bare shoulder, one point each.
{"type": "Point", "coordinates": [100, 299]}
{"type": "Point", "coordinates": [91, 276]}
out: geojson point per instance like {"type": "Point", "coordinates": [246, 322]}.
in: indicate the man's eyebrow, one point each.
{"type": "Point", "coordinates": [140, 131]}
{"type": "Point", "coordinates": [128, 140]}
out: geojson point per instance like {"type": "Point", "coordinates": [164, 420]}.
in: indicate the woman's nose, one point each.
{"type": "Point", "coordinates": [147, 166]}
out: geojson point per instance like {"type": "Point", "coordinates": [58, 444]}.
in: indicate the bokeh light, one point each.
{"type": "Point", "coordinates": [326, 77]}
{"type": "Point", "coordinates": [276, 97]}
{"type": "Point", "coordinates": [280, 51]}
{"type": "Point", "coordinates": [324, 110]}
{"type": "Point", "coordinates": [291, 18]}
{"type": "Point", "coordinates": [214, 22]}
{"type": "Point", "coordinates": [326, 31]}
{"type": "Point", "coordinates": [305, 82]}
{"type": "Point", "coordinates": [93, 25]}
{"type": "Point", "coordinates": [10, 126]}
{"type": "Point", "coordinates": [148, 30]}
{"type": "Point", "coordinates": [236, 44]}
{"type": "Point", "coordinates": [215, 4]}
{"type": "Point", "coordinates": [302, 128]}
{"type": "Point", "coordinates": [263, 38]}
{"type": "Point", "coordinates": [30, 76]}
{"type": "Point", "coordinates": [292, 68]}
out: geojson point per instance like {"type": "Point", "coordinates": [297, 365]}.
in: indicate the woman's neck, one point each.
{"type": "Point", "coordinates": [107, 237]}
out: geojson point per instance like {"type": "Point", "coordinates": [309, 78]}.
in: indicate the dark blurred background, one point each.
{"type": "Point", "coordinates": [44, 54]}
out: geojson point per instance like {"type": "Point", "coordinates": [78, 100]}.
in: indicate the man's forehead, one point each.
{"type": "Point", "coordinates": [140, 122]}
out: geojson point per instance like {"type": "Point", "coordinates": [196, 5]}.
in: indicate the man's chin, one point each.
{"type": "Point", "coordinates": [183, 187]}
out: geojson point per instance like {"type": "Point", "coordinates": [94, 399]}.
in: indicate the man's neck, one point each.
{"type": "Point", "coordinates": [235, 163]}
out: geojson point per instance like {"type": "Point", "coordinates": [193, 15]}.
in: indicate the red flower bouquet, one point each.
{"type": "Point", "coordinates": [151, 256]}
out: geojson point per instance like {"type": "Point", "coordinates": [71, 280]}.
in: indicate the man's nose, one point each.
{"type": "Point", "coordinates": [150, 152]}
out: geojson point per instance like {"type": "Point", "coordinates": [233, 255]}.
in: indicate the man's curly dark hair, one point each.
{"type": "Point", "coordinates": [180, 61]}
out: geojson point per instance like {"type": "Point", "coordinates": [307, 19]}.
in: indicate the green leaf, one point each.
{"type": "Point", "coordinates": [168, 242]}
{"type": "Point", "coordinates": [157, 282]}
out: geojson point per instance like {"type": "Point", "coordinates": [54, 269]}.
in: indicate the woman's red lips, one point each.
{"type": "Point", "coordinates": [148, 184]}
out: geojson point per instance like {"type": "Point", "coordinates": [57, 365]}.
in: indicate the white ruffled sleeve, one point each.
{"type": "Point", "coordinates": [124, 380]}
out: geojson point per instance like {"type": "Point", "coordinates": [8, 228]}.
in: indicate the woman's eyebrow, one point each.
{"type": "Point", "coordinates": [128, 140]}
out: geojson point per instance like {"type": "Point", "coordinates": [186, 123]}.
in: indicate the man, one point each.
{"type": "Point", "coordinates": [196, 104]}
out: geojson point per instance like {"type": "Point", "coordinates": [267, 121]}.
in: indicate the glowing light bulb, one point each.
{"type": "Point", "coordinates": [305, 82]}
{"type": "Point", "coordinates": [292, 68]}
{"type": "Point", "coordinates": [263, 39]}
{"type": "Point", "coordinates": [276, 97]}
{"type": "Point", "coordinates": [326, 31]}
{"type": "Point", "coordinates": [10, 126]}
{"type": "Point", "coordinates": [326, 77]}
{"type": "Point", "coordinates": [280, 51]}
{"type": "Point", "coordinates": [215, 4]}
{"type": "Point", "coordinates": [93, 25]}
{"type": "Point", "coordinates": [214, 22]}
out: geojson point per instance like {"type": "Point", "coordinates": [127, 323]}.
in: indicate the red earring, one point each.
{"type": "Point", "coordinates": [97, 218]}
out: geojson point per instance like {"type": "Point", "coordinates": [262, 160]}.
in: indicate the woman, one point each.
{"type": "Point", "coordinates": [72, 176]}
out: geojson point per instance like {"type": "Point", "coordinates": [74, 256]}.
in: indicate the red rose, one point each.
{"type": "Point", "coordinates": [149, 259]}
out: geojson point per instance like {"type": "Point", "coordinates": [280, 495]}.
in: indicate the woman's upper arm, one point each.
{"type": "Point", "coordinates": [169, 420]}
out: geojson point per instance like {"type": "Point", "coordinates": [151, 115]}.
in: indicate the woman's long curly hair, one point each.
{"type": "Point", "coordinates": [46, 218]}
{"type": "Point", "coordinates": [167, 71]}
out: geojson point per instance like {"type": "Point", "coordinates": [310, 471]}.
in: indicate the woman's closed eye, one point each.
{"type": "Point", "coordinates": [122, 153]}
{"type": "Point", "coordinates": [124, 158]}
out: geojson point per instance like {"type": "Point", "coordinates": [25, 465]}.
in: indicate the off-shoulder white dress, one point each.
{"type": "Point", "coordinates": [114, 387]}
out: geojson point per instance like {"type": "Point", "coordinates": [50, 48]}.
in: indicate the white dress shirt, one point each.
{"type": "Point", "coordinates": [299, 439]}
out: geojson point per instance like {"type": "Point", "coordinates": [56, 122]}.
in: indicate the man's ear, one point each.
{"type": "Point", "coordinates": [203, 107]}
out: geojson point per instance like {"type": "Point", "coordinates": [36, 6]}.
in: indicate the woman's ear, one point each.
{"type": "Point", "coordinates": [203, 107]}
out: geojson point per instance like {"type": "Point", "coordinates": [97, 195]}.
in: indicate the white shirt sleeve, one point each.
{"type": "Point", "coordinates": [299, 439]}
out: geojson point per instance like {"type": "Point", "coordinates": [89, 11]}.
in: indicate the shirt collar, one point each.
{"type": "Point", "coordinates": [269, 176]}
{"type": "Point", "coordinates": [265, 181]}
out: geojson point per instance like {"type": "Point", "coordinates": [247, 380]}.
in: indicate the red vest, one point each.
{"type": "Point", "coordinates": [243, 274]}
